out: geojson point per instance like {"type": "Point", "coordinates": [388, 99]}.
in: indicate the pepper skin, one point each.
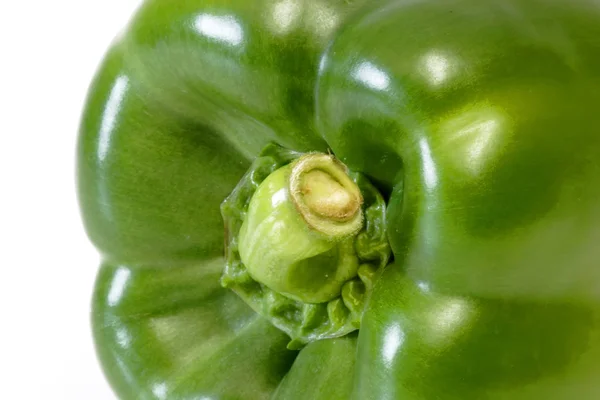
{"type": "Point", "coordinates": [477, 120]}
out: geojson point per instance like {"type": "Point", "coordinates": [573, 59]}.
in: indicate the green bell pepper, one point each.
{"type": "Point", "coordinates": [335, 199]}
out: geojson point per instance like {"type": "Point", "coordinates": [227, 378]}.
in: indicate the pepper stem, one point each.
{"type": "Point", "coordinates": [297, 237]}
{"type": "Point", "coordinates": [311, 280]}
{"type": "Point", "coordinates": [325, 196]}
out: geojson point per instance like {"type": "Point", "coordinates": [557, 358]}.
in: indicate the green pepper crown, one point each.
{"type": "Point", "coordinates": [305, 241]}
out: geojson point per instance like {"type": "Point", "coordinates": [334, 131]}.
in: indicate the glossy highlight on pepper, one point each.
{"type": "Point", "coordinates": [471, 130]}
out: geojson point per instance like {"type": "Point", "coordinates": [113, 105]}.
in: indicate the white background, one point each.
{"type": "Point", "coordinates": [49, 51]}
